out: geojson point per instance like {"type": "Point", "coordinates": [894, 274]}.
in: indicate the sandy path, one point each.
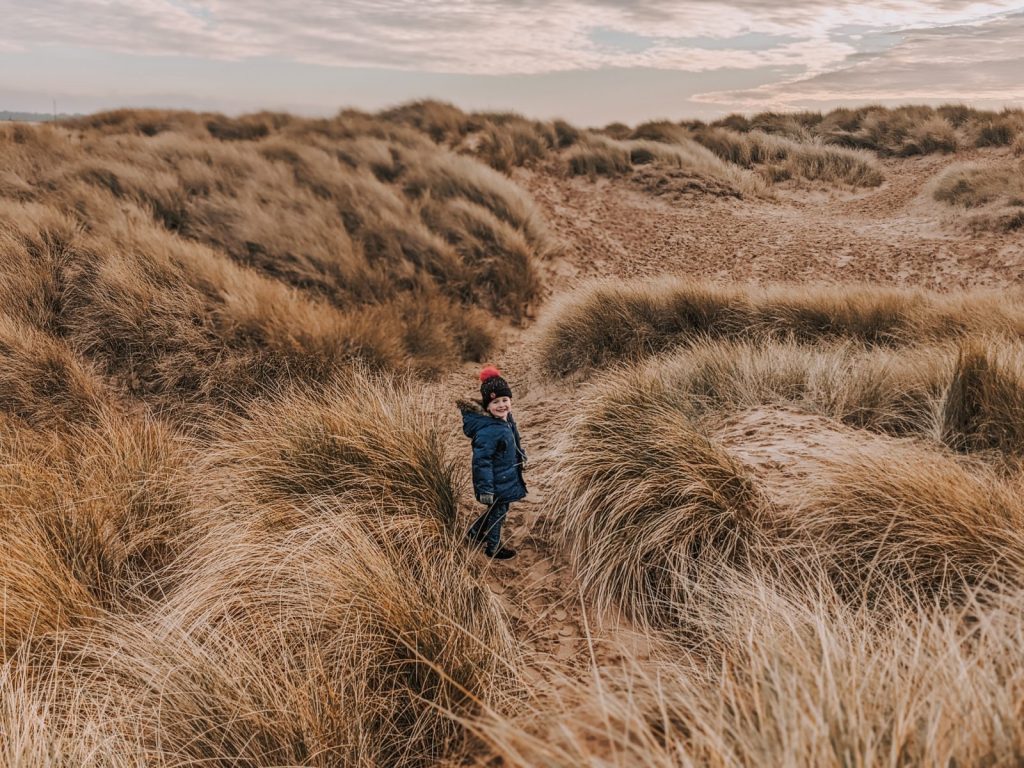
{"type": "Point", "coordinates": [894, 234]}
{"type": "Point", "coordinates": [536, 587]}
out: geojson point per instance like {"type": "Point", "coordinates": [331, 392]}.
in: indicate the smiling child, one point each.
{"type": "Point", "coordinates": [498, 460]}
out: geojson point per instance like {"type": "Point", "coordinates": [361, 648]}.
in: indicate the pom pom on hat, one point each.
{"type": "Point", "coordinates": [489, 372]}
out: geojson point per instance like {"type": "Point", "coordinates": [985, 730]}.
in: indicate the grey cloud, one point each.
{"type": "Point", "coordinates": [153, 27]}
{"type": "Point", "coordinates": [482, 36]}
{"type": "Point", "coordinates": [806, 50]}
{"type": "Point", "coordinates": [980, 62]}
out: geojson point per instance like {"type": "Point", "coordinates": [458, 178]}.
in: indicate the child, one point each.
{"type": "Point", "coordinates": [498, 460]}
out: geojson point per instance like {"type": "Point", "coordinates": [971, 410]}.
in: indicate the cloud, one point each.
{"type": "Point", "coordinates": [491, 37]}
{"type": "Point", "coordinates": [980, 62]}
{"type": "Point", "coordinates": [152, 27]}
{"type": "Point", "coordinates": [809, 52]}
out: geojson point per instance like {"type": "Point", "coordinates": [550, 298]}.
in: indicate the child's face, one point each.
{"type": "Point", "coordinates": [500, 407]}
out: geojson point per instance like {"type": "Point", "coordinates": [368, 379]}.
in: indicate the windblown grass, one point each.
{"type": "Point", "coordinates": [899, 131]}
{"type": "Point", "coordinates": [984, 407]}
{"type": "Point", "coordinates": [598, 158]}
{"type": "Point", "coordinates": [970, 398]}
{"type": "Point", "coordinates": [503, 140]}
{"type": "Point", "coordinates": [883, 390]}
{"type": "Point", "coordinates": [93, 519]}
{"type": "Point", "coordinates": [649, 506]}
{"type": "Point", "coordinates": [295, 598]}
{"type": "Point", "coordinates": [356, 440]}
{"type": "Point", "coordinates": [935, 134]}
{"type": "Point", "coordinates": [181, 324]}
{"type": "Point", "coordinates": [998, 130]}
{"type": "Point", "coordinates": [995, 195]}
{"type": "Point", "coordinates": [608, 324]}
{"type": "Point", "coordinates": [373, 631]}
{"type": "Point", "coordinates": [229, 532]}
{"type": "Point", "coordinates": [311, 649]}
{"type": "Point", "coordinates": [775, 157]}
{"type": "Point", "coordinates": [781, 158]}
{"type": "Point", "coordinates": [660, 167]}
{"type": "Point", "coordinates": [837, 148]}
{"type": "Point", "coordinates": [799, 679]}
{"type": "Point", "coordinates": [914, 521]}
{"type": "Point", "coordinates": [195, 259]}
{"type": "Point", "coordinates": [43, 381]}
{"type": "Point", "coordinates": [518, 142]}
{"type": "Point", "coordinates": [225, 536]}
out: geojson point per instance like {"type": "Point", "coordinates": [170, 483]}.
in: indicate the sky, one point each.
{"type": "Point", "coordinates": [588, 61]}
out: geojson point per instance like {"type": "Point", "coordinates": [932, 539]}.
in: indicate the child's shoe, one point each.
{"type": "Point", "coordinates": [501, 553]}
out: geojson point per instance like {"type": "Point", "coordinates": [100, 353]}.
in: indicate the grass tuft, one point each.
{"type": "Point", "coordinates": [605, 324]}
{"type": "Point", "coordinates": [994, 195]}
{"type": "Point", "coordinates": [646, 519]}
{"type": "Point", "coordinates": [358, 439]}
{"type": "Point", "coordinates": [914, 522]}
{"type": "Point", "coordinates": [984, 405]}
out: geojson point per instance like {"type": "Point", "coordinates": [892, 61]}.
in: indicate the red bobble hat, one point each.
{"type": "Point", "coordinates": [492, 386]}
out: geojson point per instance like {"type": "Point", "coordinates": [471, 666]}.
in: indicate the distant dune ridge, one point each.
{"type": "Point", "coordinates": [34, 117]}
{"type": "Point", "coordinates": [775, 450]}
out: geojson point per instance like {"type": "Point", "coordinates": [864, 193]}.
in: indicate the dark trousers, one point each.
{"type": "Point", "coordinates": [487, 527]}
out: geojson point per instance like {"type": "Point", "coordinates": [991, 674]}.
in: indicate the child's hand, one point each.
{"type": "Point", "coordinates": [486, 498]}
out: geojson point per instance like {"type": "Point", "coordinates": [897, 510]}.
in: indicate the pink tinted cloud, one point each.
{"type": "Point", "coordinates": [979, 62]}
{"type": "Point", "coordinates": [945, 49]}
{"type": "Point", "coordinates": [475, 36]}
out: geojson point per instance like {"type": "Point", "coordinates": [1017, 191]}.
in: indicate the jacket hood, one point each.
{"type": "Point", "coordinates": [475, 418]}
{"type": "Point", "coordinates": [472, 406]}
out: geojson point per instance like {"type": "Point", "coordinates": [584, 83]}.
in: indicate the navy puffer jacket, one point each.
{"type": "Point", "coordinates": [498, 455]}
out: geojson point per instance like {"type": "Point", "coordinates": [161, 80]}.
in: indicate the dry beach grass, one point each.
{"type": "Point", "coordinates": [775, 451]}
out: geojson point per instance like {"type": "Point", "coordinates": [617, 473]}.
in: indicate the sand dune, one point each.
{"type": "Point", "coordinates": [892, 235]}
